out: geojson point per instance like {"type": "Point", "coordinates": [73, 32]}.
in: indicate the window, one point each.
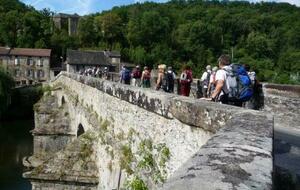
{"type": "Point", "coordinates": [17, 61]}
{"type": "Point", "coordinates": [40, 62]}
{"type": "Point", "coordinates": [23, 82]}
{"type": "Point", "coordinates": [40, 74]}
{"type": "Point", "coordinates": [17, 73]}
{"type": "Point", "coordinates": [30, 73]}
{"type": "Point", "coordinates": [30, 61]}
{"type": "Point", "coordinates": [30, 82]}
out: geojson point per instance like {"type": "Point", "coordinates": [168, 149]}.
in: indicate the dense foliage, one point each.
{"type": "Point", "coordinates": [264, 35]}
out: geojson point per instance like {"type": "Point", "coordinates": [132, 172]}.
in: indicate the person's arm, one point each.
{"type": "Point", "coordinates": [218, 89]}
{"type": "Point", "coordinates": [190, 77]}
{"type": "Point", "coordinates": [121, 76]}
{"type": "Point", "coordinates": [208, 89]}
{"type": "Point", "coordinates": [142, 78]}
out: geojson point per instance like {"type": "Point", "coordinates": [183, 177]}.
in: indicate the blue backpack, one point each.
{"type": "Point", "coordinates": [238, 83]}
{"type": "Point", "coordinates": [126, 75]}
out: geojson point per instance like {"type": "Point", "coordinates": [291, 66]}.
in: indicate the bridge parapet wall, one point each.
{"type": "Point", "coordinates": [201, 137]}
{"type": "Point", "coordinates": [284, 102]}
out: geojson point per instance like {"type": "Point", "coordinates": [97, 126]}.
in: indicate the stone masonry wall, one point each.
{"type": "Point", "coordinates": [146, 137]}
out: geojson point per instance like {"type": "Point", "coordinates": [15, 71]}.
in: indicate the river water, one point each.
{"type": "Point", "coordinates": [15, 143]}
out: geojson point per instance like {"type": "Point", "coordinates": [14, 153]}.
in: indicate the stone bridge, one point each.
{"type": "Point", "coordinates": [96, 134]}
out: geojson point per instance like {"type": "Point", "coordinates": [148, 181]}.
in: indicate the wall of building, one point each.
{"type": "Point", "coordinates": [141, 134]}
{"type": "Point", "coordinates": [28, 70]}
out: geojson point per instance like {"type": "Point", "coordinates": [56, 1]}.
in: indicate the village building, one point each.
{"type": "Point", "coordinates": [78, 61]}
{"type": "Point", "coordinates": [27, 66]}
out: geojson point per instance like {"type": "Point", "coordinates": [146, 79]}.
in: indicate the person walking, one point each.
{"type": "Point", "coordinates": [212, 81]}
{"type": "Point", "coordinates": [145, 79]}
{"type": "Point", "coordinates": [221, 91]}
{"type": "Point", "coordinates": [186, 79]}
{"type": "Point", "coordinates": [169, 80]}
{"type": "Point", "coordinates": [205, 80]}
{"type": "Point", "coordinates": [160, 76]}
{"type": "Point", "coordinates": [125, 75]}
{"type": "Point", "coordinates": [136, 76]}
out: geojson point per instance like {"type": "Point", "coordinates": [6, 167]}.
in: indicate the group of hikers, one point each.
{"type": "Point", "coordinates": [165, 78]}
{"type": "Point", "coordinates": [95, 72]}
{"type": "Point", "coordinates": [226, 83]}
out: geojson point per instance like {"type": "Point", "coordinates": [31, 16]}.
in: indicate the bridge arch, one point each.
{"type": "Point", "coordinates": [80, 130]}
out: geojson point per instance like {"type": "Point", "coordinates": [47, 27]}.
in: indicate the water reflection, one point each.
{"type": "Point", "coordinates": [15, 143]}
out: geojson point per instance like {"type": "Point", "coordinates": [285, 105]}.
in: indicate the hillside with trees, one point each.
{"type": "Point", "coordinates": [264, 35]}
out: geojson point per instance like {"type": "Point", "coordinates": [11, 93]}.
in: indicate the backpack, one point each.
{"type": "Point", "coordinates": [168, 80]}
{"type": "Point", "coordinates": [205, 82]}
{"type": "Point", "coordinates": [183, 76]}
{"type": "Point", "coordinates": [238, 83]}
{"type": "Point", "coordinates": [126, 75]}
{"type": "Point", "coordinates": [137, 74]}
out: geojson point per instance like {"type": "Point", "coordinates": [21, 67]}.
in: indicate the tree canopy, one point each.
{"type": "Point", "coordinates": [264, 35]}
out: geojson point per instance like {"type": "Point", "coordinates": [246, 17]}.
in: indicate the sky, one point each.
{"type": "Point", "coordinates": [83, 7]}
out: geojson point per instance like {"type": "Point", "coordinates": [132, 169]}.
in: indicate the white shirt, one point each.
{"type": "Point", "coordinates": [212, 77]}
{"type": "Point", "coordinates": [204, 77]}
{"type": "Point", "coordinates": [221, 75]}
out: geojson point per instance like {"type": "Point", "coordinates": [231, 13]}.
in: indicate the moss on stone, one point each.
{"type": "Point", "coordinates": [104, 125]}
{"type": "Point", "coordinates": [135, 184]}
{"type": "Point", "coordinates": [126, 159]}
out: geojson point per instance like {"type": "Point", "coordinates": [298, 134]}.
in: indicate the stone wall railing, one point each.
{"type": "Point", "coordinates": [237, 155]}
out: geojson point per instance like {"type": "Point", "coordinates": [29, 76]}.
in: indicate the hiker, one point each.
{"type": "Point", "coordinates": [145, 79]}
{"type": "Point", "coordinates": [186, 78]}
{"type": "Point", "coordinates": [212, 81]}
{"type": "Point", "coordinates": [98, 72]}
{"type": "Point", "coordinates": [221, 91]}
{"type": "Point", "coordinates": [169, 80]}
{"type": "Point", "coordinates": [205, 80]}
{"type": "Point", "coordinates": [252, 74]}
{"type": "Point", "coordinates": [136, 76]}
{"type": "Point", "coordinates": [125, 75]}
{"type": "Point", "coordinates": [252, 103]}
{"type": "Point", "coordinates": [105, 73]}
{"type": "Point", "coordinates": [160, 76]}
{"type": "Point", "coordinates": [233, 83]}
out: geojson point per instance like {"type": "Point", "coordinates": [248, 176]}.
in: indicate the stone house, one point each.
{"type": "Point", "coordinates": [27, 66]}
{"type": "Point", "coordinates": [67, 22]}
{"type": "Point", "coordinates": [80, 60]}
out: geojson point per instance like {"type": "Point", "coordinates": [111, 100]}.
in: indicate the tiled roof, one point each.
{"type": "Point", "coordinates": [4, 51]}
{"type": "Point", "coordinates": [113, 54]}
{"type": "Point", "coordinates": [76, 57]}
{"type": "Point", "coordinates": [25, 52]}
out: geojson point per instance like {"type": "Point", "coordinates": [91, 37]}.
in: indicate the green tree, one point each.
{"type": "Point", "coordinates": [87, 32]}
{"type": "Point", "coordinates": [111, 28]}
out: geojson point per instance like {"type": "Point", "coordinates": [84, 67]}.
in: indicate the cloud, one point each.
{"type": "Point", "coordinates": [67, 6]}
